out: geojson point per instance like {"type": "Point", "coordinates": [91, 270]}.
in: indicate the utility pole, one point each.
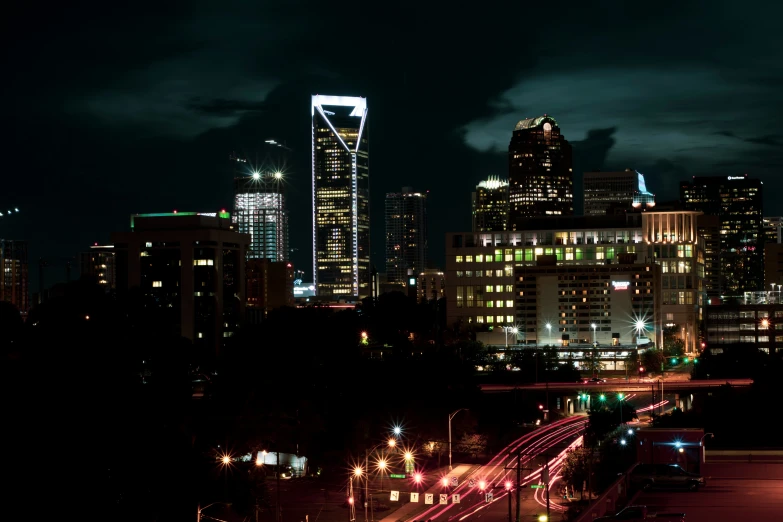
{"type": "Point", "coordinates": [279, 512]}
{"type": "Point", "coordinates": [546, 483]}
{"type": "Point", "coordinates": [519, 482]}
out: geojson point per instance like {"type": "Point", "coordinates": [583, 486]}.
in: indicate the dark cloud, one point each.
{"type": "Point", "coordinates": [773, 140]}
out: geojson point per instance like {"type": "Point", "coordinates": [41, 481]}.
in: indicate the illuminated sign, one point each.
{"type": "Point", "coordinates": [620, 285]}
{"type": "Point", "coordinates": [736, 177]}
{"type": "Point", "coordinates": [304, 290]}
{"type": "Point", "coordinates": [412, 281]}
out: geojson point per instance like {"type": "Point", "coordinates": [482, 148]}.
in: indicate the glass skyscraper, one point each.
{"type": "Point", "coordinates": [604, 190]}
{"type": "Point", "coordinates": [259, 202]}
{"type": "Point", "coordinates": [540, 173]}
{"type": "Point", "coordinates": [490, 205]}
{"type": "Point", "coordinates": [341, 196]}
{"type": "Point", "coordinates": [406, 235]}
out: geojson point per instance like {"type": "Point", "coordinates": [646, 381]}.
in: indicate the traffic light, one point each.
{"type": "Point", "coordinates": [542, 518]}
{"type": "Point", "coordinates": [602, 397]}
{"type": "Point", "coordinates": [350, 500]}
{"type": "Point", "coordinates": [445, 482]}
{"type": "Point", "coordinates": [482, 485]}
{"type": "Point", "coordinates": [508, 485]}
{"type": "Point", "coordinates": [695, 360]}
{"type": "Point", "coordinates": [674, 360]}
{"type": "Point", "coordinates": [641, 369]}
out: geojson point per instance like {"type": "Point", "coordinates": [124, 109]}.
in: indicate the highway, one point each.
{"type": "Point", "coordinates": [615, 385]}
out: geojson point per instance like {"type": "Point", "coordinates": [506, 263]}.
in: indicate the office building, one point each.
{"type": "Point", "coordinates": [540, 173]}
{"type": "Point", "coordinates": [480, 270]}
{"type": "Point", "coordinates": [270, 285]}
{"type": "Point", "coordinates": [341, 197]}
{"type": "Point", "coordinates": [738, 203]}
{"type": "Point", "coordinates": [431, 285]}
{"type": "Point", "coordinates": [406, 234]}
{"type": "Point", "coordinates": [191, 265]}
{"type": "Point", "coordinates": [625, 189]}
{"type": "Point", "coordinates": [259, 201]}
{"type": "Point", "coordinates": [100, 263]}
{"type": "Point", "coordinates": [708, 228]}
{"type": "Point", "coordinates": [490, 205]}
{"type": "Point", "coordinates": [773, 229]}
{"type": "Point", "coordinates": [15, 287]}
{"type": "Point", "coordinates": [755, 319]}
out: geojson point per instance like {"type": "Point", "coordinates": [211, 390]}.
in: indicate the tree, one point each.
{"type": "Point", "coordinates": [652, 359]}
{"type": "Point", "coordinates": [472, 444]}
{"type": "Point", "coordinates": [673, 346]}
{"type": "Point", "coordinates": [576, 467]}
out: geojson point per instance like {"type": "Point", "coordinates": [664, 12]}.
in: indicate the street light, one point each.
{"type": "Point", "coordinates": [549, 329]}
{"type": "Point", "coordinates": [512, 329]}
{"type": "Point", "coordinates": [391, 443]}
{"type": "Point", "coordinates": [451, 416]}
{"type": "Point", "coordinates": [621, 397]}
{"type": "Point", "coordinates": [703, 450]}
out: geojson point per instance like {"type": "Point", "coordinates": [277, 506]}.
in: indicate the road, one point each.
{"type": "Point", "coordinates": [615, 385]}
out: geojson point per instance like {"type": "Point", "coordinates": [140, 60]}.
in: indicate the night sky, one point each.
{"type": "Point", "coordinates": [113, 110]}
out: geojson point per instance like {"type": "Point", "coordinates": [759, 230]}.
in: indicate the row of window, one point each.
{"type": "Point", "coordinates": [561, 254]}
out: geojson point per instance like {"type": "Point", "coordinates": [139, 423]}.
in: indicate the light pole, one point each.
{"type": "Point", "coordinates": [513, 330]}
{"type": "Point", "coordinates": [549, 329]}
{"type": "Point", "coordinates": [451, 416]}
{"type": "Point", "coordinates": [703, 450]}
{"type": "Point", "coordinates": [621, 397]}
{"type": "Point", "coordinates": [391, 443]}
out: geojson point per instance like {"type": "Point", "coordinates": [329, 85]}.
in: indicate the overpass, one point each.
{"type": "Point", "coordinates": [616, 386]}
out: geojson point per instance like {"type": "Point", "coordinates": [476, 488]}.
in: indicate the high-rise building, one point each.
{"type": "Point", "coordinates": [737, 201]}
{"type": "Point", "coordinates": [773, 229]}
{"type": "Point", "coordinates": [709, 230]}
{"type": "Point", "coordinates": [259, 201]}
{"type": "Point", "coordinates": [270, 285]}
{"type": "Point", "coordinates": [100, 262]}
{"type": "Point", "coordinates": [15, 284]}
{"type": "Point", "coordinates": [540, 173]}
{"type": "Point", "coordinates": [431, 285]}
{"type": "Point", "coordinates": [406, 234]}
{"type": "Point", "coordinates": [490, 205]}
{"type": "Point", "coordinates": [604, 190]}
{"type": "Point", "coordinates": [341, 196]}
{"type": "Point", "coordinates": [191, 267]}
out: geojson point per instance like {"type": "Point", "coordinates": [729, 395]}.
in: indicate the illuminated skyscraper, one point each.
{"type": "Point", "coordinates": [540, 173]}
{"type": "Point", "coordinates": [602, 190]}
{"type": "Point", "coordinates": [406, 234]}
{"type": "Point", "coordinates": [259, 202]}
{"type": "Point", "coordinates": [737, 201]}
{"type": "Point", "coordinates": [341, 196]}
{"type": "Point", "coordinates": [490, 205]}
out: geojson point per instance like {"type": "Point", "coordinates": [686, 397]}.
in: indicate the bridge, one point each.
{"type": "Point", "coordinates": [617, 385]}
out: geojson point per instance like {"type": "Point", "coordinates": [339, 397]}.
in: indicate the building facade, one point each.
{"type": "Point", "coordinates": [603, 190]}
{"type": "Point", "coordinates": [431, 285]}
{"type": "Point", "coordinates": [773, 229]}
{"type": "Point", "coordinates": [738, 203]}
{"type": "Point", "coordinates": [490, 205]}
{"type": "Point", "coordinates": [708, 228]}
{"type": "Point", "coordinates": [270, 285]}
{"type": "Point", "coordinates": [756, 318]}
{"type": "Point", "coordinates": [540, 173]}
{"type": "Point", "coordinates": [341, 196]}
{"type": "Point", "coordinates": [15, 287]}
{"type": "Point", "coordinates": [100, 263]}
{"type": "Point", "coordinates": [189, 265]}
{"type": "Point", "coordinates": [480, 272]}
{"type": "Point", "coordinates": [406, 234]}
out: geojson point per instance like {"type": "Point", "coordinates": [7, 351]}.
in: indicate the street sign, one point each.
{"type": "Point", "coordinates": [454, 482]}
{"type": "Point", "coordinates": [488, 497]}
{"type": "Point", "coordinates": [395, 496]}
{"type": "Point", "coordinates": [429, 498]}
{"type": "Point", "coordinates": [414, 497]}
{"type": "Point", "coordinates": [444, 499]}
{"type": "Point", "coordinates": [455, 498]}
{"type": "Point", "coordinates": [471, 483]}
{"type": "Point", "coordinates": [396, 475]}
{"type": "Point", "coordinates": [537, 486]}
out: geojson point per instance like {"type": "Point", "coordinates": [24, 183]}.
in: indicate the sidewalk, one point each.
{"type": "Point", "coordinates": [408, 509]}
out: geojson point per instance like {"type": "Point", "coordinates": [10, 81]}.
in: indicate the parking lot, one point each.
{"type": "Point", "coordinates": [721, 500]}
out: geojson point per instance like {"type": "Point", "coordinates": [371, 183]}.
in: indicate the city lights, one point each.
{"type": "Point", "coordinates": [417, 478]}
{"type": "Point", "coordinates": [397, 430]}
{"type": "Point", "coordinates": [357, 471]}
{"type": "Point", "coordinates": [482, 485]}
{"type": "Point", "coordinates": [622, 442]}
{"type": "Point", "coordinates": [445, 481]}
{"type": "Point", "coordinates": [508, 485]}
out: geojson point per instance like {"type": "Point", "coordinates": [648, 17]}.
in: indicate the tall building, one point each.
{"type": "Point", "coordinates": [490, 205]}
{"type": "Point", "coordinates": [15, 284]}
{"type": "Point", "coordinates": [100, 262]}
{"type": "Point", "coordinates": [737, 201]}
{"type": "Point", "coordinates": [259, 201]}
{"type": "Point", "coordinates": [270, 285]}
{"type": "Point", "coordinates": [709, 230]}
{"type": "Point", "coordinates": [406, 234]}
{"type": "Point", "coordinates": [773, 229]}
{"type": "Point", "coordinates": [191, 267]}
{"type": "Point", "coordinates": [603, 190]}
{"type": "Point", "coordinates": [341, 196]}
{"type": "Point", "coordinates": [540, 173]}
{"type": "Point", "coordinates": [431, 285]}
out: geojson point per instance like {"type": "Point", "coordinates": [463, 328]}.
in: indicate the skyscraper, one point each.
{"type": "Point", "coordinates": [259, 201]}
{"type": "Point", "coordinates": [737, 201]}
{"type": "Point", "coordinates": [341, 196]}
{"type": "Point", "coordinates": [100, 262]}
{"type": "Point", "coordinates": [406, 234]}
{"type": "Point", "coordinates": [540, 173]}
{"type": "Point", "coordinates": [490, 205]}
{"type": "Point", "coordinates": [602, 190]}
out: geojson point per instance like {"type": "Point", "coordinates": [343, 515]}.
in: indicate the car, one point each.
{"type": "Point", "coordinates": [666, 476]}
{"type": "Point", "coordinates": [593, 380]}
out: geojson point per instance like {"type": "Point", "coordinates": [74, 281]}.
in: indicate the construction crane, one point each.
{"type": "Point", "coordinates": [9, 212]}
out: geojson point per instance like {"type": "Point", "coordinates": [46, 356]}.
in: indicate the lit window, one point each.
{"type": "Point", "coordinates": [200, 335]}
{"type": "Point", "coordinates": [509, 318]}
{"type": "Point", "coordinates": [509, 304]}
{"type": "Point", "coordinates": [157, 284]}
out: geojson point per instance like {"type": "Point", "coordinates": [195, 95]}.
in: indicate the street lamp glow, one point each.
{"type": "Point", "coordinates": [226, 459]}
{"type": "Point", "coordinates": [444, 481]}
{"type": "Point", "coordinates": [392, 443]}
{"type": "Point", "coordinates": [256, 175]}
{"type": "Point", "coordinates": [508, 485]}
{"type": "Point", "coordinates": [602, 397]}
{"type": "Point", "coordinates": [482, 485]}
{"type": "Point", "coordinates": [630, 431]}
{"type": "Point", "coordinates": [382, 464]}
{"type": "Point", "coordinates": [397, 430]}
{"type": "Point", "coordinates": [620, 396]}
{"type": "Point", "coordinates": [417, 478]}
{"type": "Point", "coordinates": [278, 175]}
{"type": "Point", "coordinates": [408, 456]}
{"type": "Point", "coordinates": [622, 442]}
{"type": "Point", "coordinates": [542, 518]}
{"type": "Point", "coordinates": [357, 471]}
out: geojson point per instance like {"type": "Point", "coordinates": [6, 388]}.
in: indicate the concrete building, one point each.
{"type": "Point", "coordinates": [480, 269]}
{"type": "Point", "coordinates": [773, 229]}
{"type": "Point", "coordinates": [773, 265]}
{"type": "Point", "coordinates": [603, 190]}
{"type": "Point", "coordinates": [270, 285]}
{"type": "Point", "coordinates": [100, 262]}
{"type": "Point", "coordinates": [191, 265]}
{"type": "Point", "coordinates": [15, 284]}
{"type": "Point", "coordinates": [406, 234]}
{"type": "Point", "coordinates": [431, 285]}
{"type": "Point", "coordinates": [489, 205]}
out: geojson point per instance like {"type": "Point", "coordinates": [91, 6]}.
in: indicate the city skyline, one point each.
{"type": "Point", "coordinates": [148, 126]}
